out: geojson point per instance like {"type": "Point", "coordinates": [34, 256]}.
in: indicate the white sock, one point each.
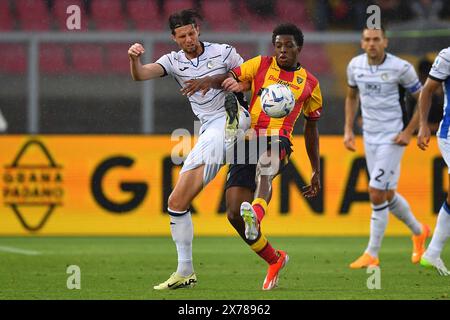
{"type": "Point", "coordinates": [182, 234]}
{"type": "Point", "coordinates": [440, 235]}
{"type": "Point", "coordinates": [378, 223]}
{"type": "Point", "coordinates": [400, 208]}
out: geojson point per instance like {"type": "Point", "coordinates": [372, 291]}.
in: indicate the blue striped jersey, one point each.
{"type": "Point", "coordinates": [440, 71]}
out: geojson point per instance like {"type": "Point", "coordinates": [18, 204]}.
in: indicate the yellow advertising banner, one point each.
{"type": "Point", "coordinates": [118, 185]}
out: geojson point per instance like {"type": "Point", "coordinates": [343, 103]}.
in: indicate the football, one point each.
{"type": "Point", "coordinates": [277, 100]}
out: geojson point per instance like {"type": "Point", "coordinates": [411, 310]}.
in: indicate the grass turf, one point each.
{"type": "Point", "coordinates": [127, 268]}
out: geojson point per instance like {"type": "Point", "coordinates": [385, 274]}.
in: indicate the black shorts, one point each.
{"type": "Point", "coordinates": [243, 174]}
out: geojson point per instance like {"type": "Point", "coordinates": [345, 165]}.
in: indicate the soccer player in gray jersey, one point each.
{"type": "Point", "coordinates": [439, 75]}
{"type": "Point", "coordinates": [377, 79]}
{"type": "Point", "coordinates": [219, 117]}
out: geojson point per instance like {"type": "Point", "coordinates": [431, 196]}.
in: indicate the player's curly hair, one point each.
{"type": "Point", "coordinates": [288, 29]}
{"type": "Point", "coordinates": [183, 18]}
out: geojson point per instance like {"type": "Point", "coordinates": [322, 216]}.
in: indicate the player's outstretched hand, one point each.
{"type": "Point", "coordinates": [312, 190]}
{"type": "Point", "coordinates": [135, 51]}
{"type": "Point", "coordinates": [349, 141]}
{"type": "Point", "coordinates": [194, 85]}
{"type": "Point", "coordinates": [402, 139]}
{"type": "Point", "coordinates": [230, 84]}
{"type": "Point", "coordinates": [423, 137]}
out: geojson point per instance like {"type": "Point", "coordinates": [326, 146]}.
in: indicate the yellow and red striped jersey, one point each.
{"type": "Point", "coordinates": [263, 71]}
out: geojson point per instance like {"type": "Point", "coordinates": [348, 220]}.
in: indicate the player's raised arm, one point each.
{"type": "Point", "coordinates": [351, 105]}
{"type": "Point", "coordinates": [424, 104]}
{"type": "Point", "coordinates": [141, 72]}
{"type": "Point", "coordinates": [203, 84]}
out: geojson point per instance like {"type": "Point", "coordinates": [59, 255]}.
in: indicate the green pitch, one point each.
{"type": "Point", "coordinates": [127, 268]}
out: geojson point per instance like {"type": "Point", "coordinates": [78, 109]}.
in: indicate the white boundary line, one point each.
{"type": "Point", "coordinates": [19, 251]}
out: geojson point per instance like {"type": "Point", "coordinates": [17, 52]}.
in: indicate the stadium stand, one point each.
{"type": "Point", "coordinates": [59, 11]}
{"type": "Point", "coordinates": [116, 62]}
{"type": "Point", "coordinates": [52, 59]}
{"type": "Point", "coordinates": [13, 58]}
{"type": "Point", "coordinates": [255, 22]}
{"type": "Point", "coordinates": [144, 14]}
{"type": "Point", "coordinates": [295, 12]}
{"type": "Point", "coordinates": [87, 58]}
{"type": "Point", "coordinates": [6, 17]}
{"type": "Point", "coordinates": [108, 15]}
{"type": "Point", "coordinates": [33, 14]}
{"type": "Point", "coordinates": [171, 6]}
{"type": "Point", "coordinates": [219, 15]}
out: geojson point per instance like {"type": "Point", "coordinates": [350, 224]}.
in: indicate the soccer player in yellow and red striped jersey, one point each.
{"type": "Point", "coordinates": [249, 184]}
{"type": "Point", "coordinates": [263, 71]}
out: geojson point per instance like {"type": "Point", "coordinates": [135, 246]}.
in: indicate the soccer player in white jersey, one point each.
{"type": "Point", "coordinates": [217, 112]}
{"type": "Point", "coordinates": [377, 79]}
{"type": "Point", "coordinates": [439, 75]}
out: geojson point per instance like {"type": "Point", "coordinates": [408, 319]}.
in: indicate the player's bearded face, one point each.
{"type": "Point", "coordinates": [373, 43]}
{"type": "Point", "coordinates": [286, 51]}
{"type": "Point", "coordinates": [187, 38]}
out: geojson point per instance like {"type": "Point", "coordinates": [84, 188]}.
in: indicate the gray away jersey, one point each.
{"type": "Point", "coordinates": [381, 93]}
{"type": "Point", "coordinates": [440, 71]}
{"type": "Point", "coordinates": [216, 59]}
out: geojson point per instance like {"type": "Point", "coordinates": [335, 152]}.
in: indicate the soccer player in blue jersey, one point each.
{"type": "Point", "coordinates": [439, 75]}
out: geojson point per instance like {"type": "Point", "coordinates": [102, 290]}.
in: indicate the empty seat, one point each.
{"type": "Point", "coordinates": [13, 58]}
{"type": "Point", "coordinates": [219, 15]}
{"type": "Point", "coordinates": [161, 49]}
{"type": "Point", "coordinates": [291, 10]}
{"type": "Point", "coordinates": [294, 11]}
{"type": "Point", "coordinates": [314, 58]}
{"type": "Point", "coordinates": [256, 22]}
{"type": "Point", "coordinates": [171, 6]}
{"type": "Point", "coordinates": [6, 18]}
{"type": "Point", "coordinates": [246, 51]}
{"type": "Point", "coordinates": [145, 14]}
{"type": "Point", "coordinates": [87, 58]}
{"type": "Point", "coordinates": [60, 14]}
{"type": "Point", "coordinates": [108, 15]}
{"type": "Point", "coordinates": [52, 59]}
{"type": "Point", "coordinates": [116, 58]}
{"type": "Point", "coordinates": [33, 14]}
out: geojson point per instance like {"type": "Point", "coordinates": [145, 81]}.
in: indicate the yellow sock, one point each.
{"type": "Point", "coordinates": [259, 244]}
{"type": "Point", "coordinates": [261, 202]}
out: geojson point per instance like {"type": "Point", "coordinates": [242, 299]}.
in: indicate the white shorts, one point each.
{"type": "Point", "coordinates": [383, 164]}
{"type": "Point", "coordinates": [444, 146]}
{"type": "Point", "coordinates": [209, 149]}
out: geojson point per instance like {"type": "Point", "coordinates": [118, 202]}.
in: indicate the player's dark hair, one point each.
{"type": "Point", "coordinates": [183, 18]}
{"type": "Point", "coordinates": [288, 29]}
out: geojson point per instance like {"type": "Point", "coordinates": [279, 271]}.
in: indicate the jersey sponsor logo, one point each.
{"type": "Point", "coordinates": [286, 83]}
{"type": "Point", "coordinates": [184, 68]}
{"type": "Point", "coordinates": [360, 75]}
{"type": "Point", "coordinates": [373, 88]}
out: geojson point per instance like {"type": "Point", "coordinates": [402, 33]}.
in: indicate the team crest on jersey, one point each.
{"type": "Point", "coordinates": [299, 80]}
{"type": "Point", "coordinates": [209, 64]}
{"type": "Point", "coordinates": [384, 76]}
